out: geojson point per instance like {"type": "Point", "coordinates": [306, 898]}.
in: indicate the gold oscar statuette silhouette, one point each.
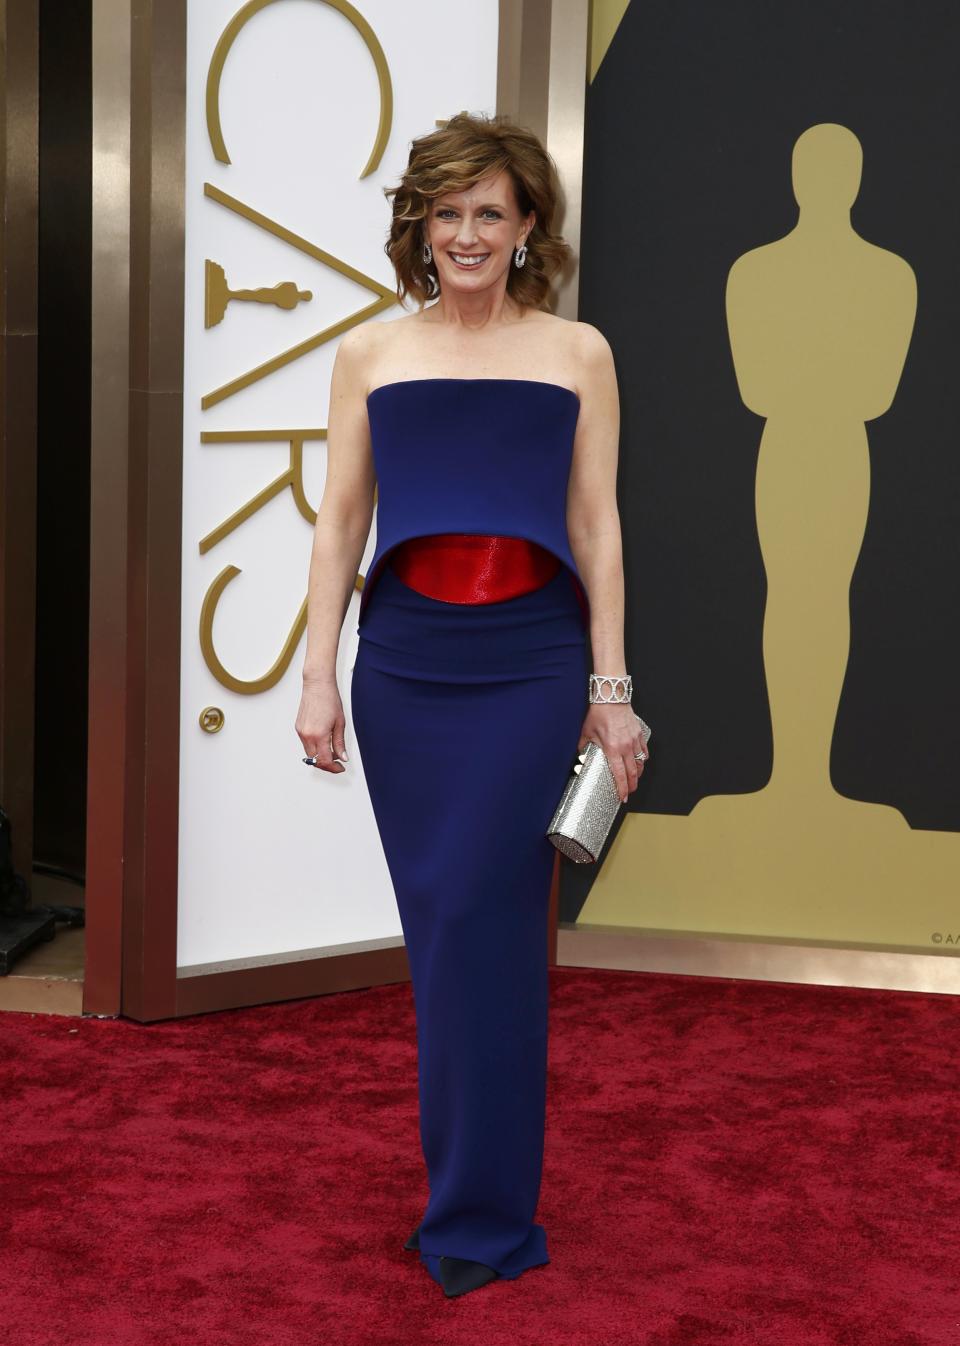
{"type": "Point", "coordinates": [820, 323]}
{"type": "Point", "coordinates": [217, 294]}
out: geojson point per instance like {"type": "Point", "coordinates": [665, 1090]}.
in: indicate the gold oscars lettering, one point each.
{"type": "Point", "coordinates": [285, 294]}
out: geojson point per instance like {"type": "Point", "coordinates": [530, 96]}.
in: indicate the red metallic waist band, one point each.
{"type": "Point", "coordinates": [473, 567]}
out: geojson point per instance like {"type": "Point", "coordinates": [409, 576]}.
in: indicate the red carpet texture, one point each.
{"type": "Point", "coordinates": [726, 1162]}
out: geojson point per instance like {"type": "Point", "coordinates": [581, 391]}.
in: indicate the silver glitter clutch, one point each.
{"type": "Point", "coordinates": [587, 807]}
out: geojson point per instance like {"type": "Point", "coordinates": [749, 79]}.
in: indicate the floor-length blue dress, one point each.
{"type": "Point", "coordinates": [467, 718]}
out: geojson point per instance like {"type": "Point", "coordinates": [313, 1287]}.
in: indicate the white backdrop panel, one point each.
{"type": "Point", "coordinates": [275, 857]}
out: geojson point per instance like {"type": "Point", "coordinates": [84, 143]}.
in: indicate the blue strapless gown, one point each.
{"type": "Point", "coordinates": [467, 718]}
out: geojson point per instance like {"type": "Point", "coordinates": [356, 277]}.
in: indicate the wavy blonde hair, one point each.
{"type": "Point", "coordinates": [468, 148]}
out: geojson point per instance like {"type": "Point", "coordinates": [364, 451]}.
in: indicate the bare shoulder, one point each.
{"type": "Point", "coordinates": [360, 342]}
{"type": "Point", "coordinates": [375, 348]}
{"type": "Point", "coordinates": [591, 347]}
{"type": "Point", "coordinates": [596, 375]}
{"type": "Point", "coordinates": [582, 343]}
{"type": "Point", "coordinates": [575, 350]}
{"type": "Point", "coordinates": [360, 350]}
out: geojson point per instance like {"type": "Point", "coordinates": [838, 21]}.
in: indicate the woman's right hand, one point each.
{"type": "Point", "coordinates": [321, 723]}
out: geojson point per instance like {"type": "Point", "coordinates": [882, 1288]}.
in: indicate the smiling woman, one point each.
{"type": "Point", "coordinates": [469, 689]}
{"type": "Point", "coordinates": [477, 188]}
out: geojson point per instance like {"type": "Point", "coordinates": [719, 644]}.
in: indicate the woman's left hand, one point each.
{"type": "Point", "coordinates": [615, 727]}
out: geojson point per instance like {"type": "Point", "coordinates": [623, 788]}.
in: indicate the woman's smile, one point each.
{"type": "Point", "coordinates": [466, 260]}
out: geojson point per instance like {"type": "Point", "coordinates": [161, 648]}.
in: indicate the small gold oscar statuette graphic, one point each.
{"type": "Point", "coordinates": [211, 719]}
{"type": "Point", "coordinates": [217, 294]}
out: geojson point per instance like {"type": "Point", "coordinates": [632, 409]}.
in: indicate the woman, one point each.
{"type": "Point", "coordinates": [490, 428]}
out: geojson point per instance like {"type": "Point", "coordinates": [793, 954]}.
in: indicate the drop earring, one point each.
{"type": "Point", "coordinates": [427, 254]}
{"type": "Point", "coordinates": [520, 256]}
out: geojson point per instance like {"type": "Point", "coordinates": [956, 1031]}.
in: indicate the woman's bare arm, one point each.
{"type": "Point", "coordinates": [345, 512]}
{"type": "Point", "coordinates": [593, 527]}
{"type": "Point", "coordinates": [339, 538]}
{"type": "Point", "coordinates": [593, 520]}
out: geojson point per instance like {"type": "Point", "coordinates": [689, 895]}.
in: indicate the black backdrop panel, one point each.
{"type": "Point", "coordinates": [690, 127]}
{"type": "Point", "coordinates": [63, 439]}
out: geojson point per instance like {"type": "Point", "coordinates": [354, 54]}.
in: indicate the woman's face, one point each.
{"type": "Point", "coordinates": [481, 223]}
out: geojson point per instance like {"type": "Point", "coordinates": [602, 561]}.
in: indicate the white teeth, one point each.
{"type": "Point", "coordinates": [469, 261]}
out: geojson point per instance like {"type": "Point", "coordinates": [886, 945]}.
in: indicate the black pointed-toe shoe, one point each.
{"type": "Point", "coordinates": [412, 1244]}
{"type": "Point", "coordinates": [460, 1275]}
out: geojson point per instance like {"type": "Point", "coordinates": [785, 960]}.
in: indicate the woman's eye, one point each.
{"type": "Point", "coordinates": [447, 210]}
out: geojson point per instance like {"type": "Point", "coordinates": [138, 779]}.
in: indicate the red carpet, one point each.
{"type": "Point", "coordinates": [726, 1162]}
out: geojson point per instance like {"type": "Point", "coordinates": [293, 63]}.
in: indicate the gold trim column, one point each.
{"type": "Point", "coordinates": [157, 209]}
{"type": "Point", "coordinates": [541, 83]}
{"type": "Point", "coordinates": [139, 72]}
{"type": "Point", "coordinates": [109, 413]}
